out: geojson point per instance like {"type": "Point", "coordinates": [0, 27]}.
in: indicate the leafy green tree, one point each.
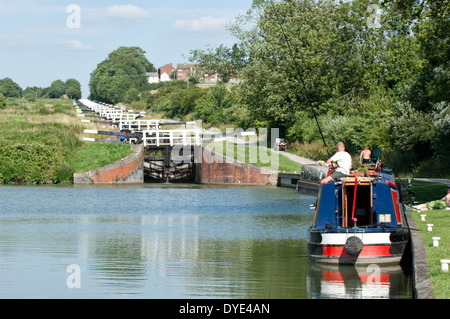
{"type": "Point", "coordinates": [176, 99]}
{"type": "Point", "coordinates": [57, 89]}
{"type": "Point", "coordinates": [9, 88]}
{"type": "Point", "coordinates": [441, 123]}
{"type": "Point", "coordinates": [33, 92]}
{"type": "Point", "coordinates": [342, 60]}
{"type": "Point", "coordinates": [73, 89]}
{"type": "Point", "coordinates": [125, 68]}
{"type": "Point", "coordinates": [411, 129]}
{"type": "Point", "coordinates": [271, 86]}
{"type": "Point", "coordinates": [227, 62]}
{"type": "Point", "coordinates": [212, 108]}
{"type": "Point", "coordinates": [132, 95]}
{"type": "Point", "coordinates": [429, 22]}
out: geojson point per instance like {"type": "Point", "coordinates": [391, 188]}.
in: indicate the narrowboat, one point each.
{"type": "Point", "coordinates": [359, 220]}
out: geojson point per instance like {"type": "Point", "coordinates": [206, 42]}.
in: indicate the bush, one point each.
{"type": "Point", "coordinates": [315, 150]}
{"type": "Point", "coordinates": [2, 101]}
{"type": "Point", "coordinates": [64, 174]}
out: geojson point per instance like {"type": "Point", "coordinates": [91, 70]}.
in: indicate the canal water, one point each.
{"type": "Point", "coordinates": [171, 241]}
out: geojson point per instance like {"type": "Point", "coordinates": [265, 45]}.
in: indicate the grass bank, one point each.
{"type": "Point", "coordinates": [441, 220]}
{"type": "Point", "coordinates": [41, 143]}
{"type": "Point", "coordinates": [93, 155]}
{"type": "Point", "coordinates": [425, 192]}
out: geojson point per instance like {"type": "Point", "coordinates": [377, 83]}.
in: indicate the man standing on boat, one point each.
{"type": "Point", "coordinates": [344, 162]}
{"type": "Point", "coordinates": [364, 158]}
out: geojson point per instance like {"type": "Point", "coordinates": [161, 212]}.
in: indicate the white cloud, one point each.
{"type": "Point", "coordinates": [201, 24]}
{"type": "Point", "coordinates": [77, 45]}
{"type": "Point", "coordinates": [127, 12]}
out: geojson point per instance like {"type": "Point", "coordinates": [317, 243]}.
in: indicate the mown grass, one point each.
{"type": "Point", "coordinates": [425, 192]}
{"type": "Point", "coordinates": [441, 220]}
{"type": "Point", "coordinates": [93, 155]}
{"type": "Point", "coordinates": [40, 143]}
{"type": "Point", "coordinates": [258, 156]}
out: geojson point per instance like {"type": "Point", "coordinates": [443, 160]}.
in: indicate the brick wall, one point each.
{"type": "Point", "coordinates": [126, 170]}
{"type": "Point", "coordinates": [218, 168]}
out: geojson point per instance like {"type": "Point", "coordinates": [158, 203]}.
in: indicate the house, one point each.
{"type": "Point", "coordinates": [184, 71]}
{"type": "Point", "coordinates": [211, 78]}
{"type": "Point", "coordinates": [152, 77]}
{"type": "Point", "coordinates": [165, 72]}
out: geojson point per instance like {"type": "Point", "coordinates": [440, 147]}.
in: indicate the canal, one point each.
{"type": "Point", "coordinates": [171, 241]}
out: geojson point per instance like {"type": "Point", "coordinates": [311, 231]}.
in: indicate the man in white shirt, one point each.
{"type": "Point", "coordinates": [344, 162]}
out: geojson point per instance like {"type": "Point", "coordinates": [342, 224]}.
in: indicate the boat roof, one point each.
{"type": "Point", "coordinates": [378, 177]}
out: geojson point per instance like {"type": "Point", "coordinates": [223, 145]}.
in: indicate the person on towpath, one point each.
{"type": "Point", "coordinates": [443, 203]}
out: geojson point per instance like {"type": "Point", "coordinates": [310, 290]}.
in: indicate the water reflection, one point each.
{"type": "Point", "coordinates": [180, 242]}
{"type": "Point", "coordinates": [358, 282]}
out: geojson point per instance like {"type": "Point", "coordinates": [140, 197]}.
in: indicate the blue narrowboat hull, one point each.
{"type": "Point", "coordinates": [359, 220]}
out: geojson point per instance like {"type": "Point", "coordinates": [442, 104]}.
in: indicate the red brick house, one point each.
{"type": "Point", "coordinates": [184, 71]}
{"type": "Point", "coordinates": [165, 72]}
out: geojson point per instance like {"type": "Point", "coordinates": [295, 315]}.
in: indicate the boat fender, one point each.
{"type": "Point", "coordinates": [353, 246]}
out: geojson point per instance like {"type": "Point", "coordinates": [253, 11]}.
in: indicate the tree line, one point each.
{"type": "Point", "coordinates": [58, 88]}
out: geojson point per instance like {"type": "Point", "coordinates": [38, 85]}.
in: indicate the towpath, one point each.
{"type": "Point", "coordinates": [296, 158]}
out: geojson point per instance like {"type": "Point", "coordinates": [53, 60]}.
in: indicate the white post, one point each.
{"type": "Point", "coordinates": [422, 217]}
{"type": "Point", "coordinates": [444, 264]}
{"type": "Point", "coordinates": [197, 137]}
{"type": "Point", "coordinates": [157, 135]}
{"type": "Point", "coordinates": [430, 227]}
{"type": "Point", "coordinates": [436, 241]}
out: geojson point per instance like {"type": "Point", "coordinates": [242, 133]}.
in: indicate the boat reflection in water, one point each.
{"type": "Point", "coordinates": [357, 282]}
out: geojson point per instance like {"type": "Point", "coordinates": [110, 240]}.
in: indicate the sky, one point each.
{"type": "Point", "coordinates": [45, 40]}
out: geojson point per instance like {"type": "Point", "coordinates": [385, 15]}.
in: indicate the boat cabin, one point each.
{"type": "Point", "coordinates": [367, 202]}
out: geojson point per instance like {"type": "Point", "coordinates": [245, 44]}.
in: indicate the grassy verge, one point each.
{"type": "Point", "coordinates": [425, 192]}
{"type": "Point", "coordinates": [93, 155]}
{"type": "Point", "coordinates": [257, 156]}
{"type": "Point", "coordinates": [441, 220]}
{"type": "Point", "coordinates": [41, 143]}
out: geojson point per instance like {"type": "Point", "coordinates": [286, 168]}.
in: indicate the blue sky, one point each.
{"type": "Point", "coordinates": [38, 46]}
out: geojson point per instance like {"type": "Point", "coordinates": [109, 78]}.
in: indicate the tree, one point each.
{"type": "Point", "coordinates": [212, 108]}
{"type": "Point", "coordinates": [271, 86]}
{"type": "Point", "coordinates": [57, 89]}
{"type": "Point", "coordinates": [73, 89]}
{"type": "Point", "coordinates": [411, 129]}
{"type": "Point", "coordinates": [9, 88]}
{"type": "Point", "coordinates": [429, 25]}
{"type": "Point", "coordinates": [226, 62]}
{"type": "Point", "coordinates": [342, 61]}
{"type": "Point", "coordinates": [441, 123]}
{"type": "Point", "coordinates": [33, 92]}
{"type": "Point", "coordinates": [132, 95]}
{"type": "Point", "coordinates": [125, 68]}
